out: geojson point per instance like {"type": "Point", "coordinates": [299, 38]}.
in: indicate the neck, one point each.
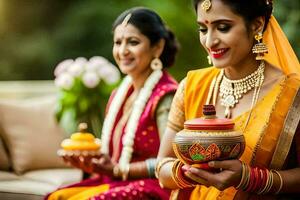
{"type": "Point", "coordinates": [139, 79]}
{"type": "Point", "coordinates": [241, 70]}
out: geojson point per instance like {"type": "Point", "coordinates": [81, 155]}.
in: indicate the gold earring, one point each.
{"type": "Point", "coordinates": [209, 60]}
{"type": "Point", "coordinates": [156, 64]}
{"type": "Point", "coordinates": [259, 48]}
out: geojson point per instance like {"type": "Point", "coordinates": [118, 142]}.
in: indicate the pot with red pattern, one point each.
{"type": "Point", "coordinates": [208, 138]}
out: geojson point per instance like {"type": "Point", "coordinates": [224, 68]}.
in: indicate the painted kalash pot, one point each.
{"type": "Point", "coordinates": [208, 138]}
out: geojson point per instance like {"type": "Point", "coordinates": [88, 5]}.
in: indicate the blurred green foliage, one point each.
{"type": "Point", "coordinates": [38, 34]}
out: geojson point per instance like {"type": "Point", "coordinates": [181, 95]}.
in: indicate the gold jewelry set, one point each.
{"type": "Point", "coordinates": [233, 90]}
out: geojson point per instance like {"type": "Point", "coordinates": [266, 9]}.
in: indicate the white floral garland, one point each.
{"type": "Point", "coordinates": [138, 108]}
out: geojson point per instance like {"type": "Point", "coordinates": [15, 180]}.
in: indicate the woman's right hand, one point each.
{"type": "Point", "coordinates": [81, 162]}
{"type": "Point", "coordinates": [230, 172]}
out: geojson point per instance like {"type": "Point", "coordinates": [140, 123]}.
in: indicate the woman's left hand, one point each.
{"type": "Point", "coordinates": [229, 175]}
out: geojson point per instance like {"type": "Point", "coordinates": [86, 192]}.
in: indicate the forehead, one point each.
{"type": "Point", "coordinates": [218, 11]}
{"type": "Point", "coordinates": [127, 31]}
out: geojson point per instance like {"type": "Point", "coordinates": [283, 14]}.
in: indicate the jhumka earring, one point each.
{"type": "Point", "coordinates": [156, 64]}
{"type": "Point", "coordinates": [259, 48]}
{"type": "Point", "coordinates": [209, 60]}
{"type": "Point", "coordinates": [206, 5]}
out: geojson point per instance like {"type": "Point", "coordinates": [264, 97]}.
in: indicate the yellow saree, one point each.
{"type": "Point", "coordinates": [268, 141]}
{"type": "Point", "coordinates": [263, 129]}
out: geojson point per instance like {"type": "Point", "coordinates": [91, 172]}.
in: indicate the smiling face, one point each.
{"type": "Point", "coordinates": [224, 35]}
{"type": "Point", "coordinates": [132, 50]}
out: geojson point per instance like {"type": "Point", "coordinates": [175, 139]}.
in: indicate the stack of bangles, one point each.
{"type": "Point", "coordinates": [258, 180]}
{"type": "Point", "coordinates": [177, 172]}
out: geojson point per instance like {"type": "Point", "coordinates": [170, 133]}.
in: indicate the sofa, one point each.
{"type": "Point", "coordinates": [29, 140]}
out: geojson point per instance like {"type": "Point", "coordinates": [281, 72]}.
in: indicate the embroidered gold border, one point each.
{"type": "Point", "coordinates": [263, 130]}
{"type": "Point", "coordinates": [286, 136]}
{"type": "Point", "coordinates": [260, 156]}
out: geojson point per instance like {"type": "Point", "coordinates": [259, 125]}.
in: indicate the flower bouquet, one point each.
{"type": "Point", "coordinates": [84, 87]}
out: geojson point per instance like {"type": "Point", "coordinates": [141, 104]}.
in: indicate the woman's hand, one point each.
{"type": "Point", "coordinates": [103, 165]}
{"type": "Point", "coordinates": [229, 175]}
{"type": "Point", "coordinates": [81, 162]}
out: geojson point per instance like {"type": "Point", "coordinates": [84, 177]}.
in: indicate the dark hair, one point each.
{"type": "Point", "coordinates": [151, 25]}
{"type": "Point", "coordinates": [248, 9]}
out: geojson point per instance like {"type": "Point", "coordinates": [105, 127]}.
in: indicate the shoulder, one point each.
{"type": "Point", "coordinates": [166, 84]}
{"type": "Point", "coordinates": [202, 71]}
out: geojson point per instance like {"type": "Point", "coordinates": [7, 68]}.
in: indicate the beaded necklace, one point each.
{"type": "Point", "coordinates": [231, 91]}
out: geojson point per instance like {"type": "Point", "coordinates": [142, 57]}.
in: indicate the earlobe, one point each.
{"type": "Point", "coordinates": [258, 25]}
{"type": "Point", "coordinates": [159, 47]}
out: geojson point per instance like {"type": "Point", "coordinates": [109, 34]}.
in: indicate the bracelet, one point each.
{"type": "Point", "coordinates": [178, 176]}
{"type": "Point", "coordinates": [280, 179]}
{"type": "Point", "coordinates": [150, 163]}
{"type": "Point", "coordinates": [161, 163]}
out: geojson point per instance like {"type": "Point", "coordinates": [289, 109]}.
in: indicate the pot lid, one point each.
{"type": "Point", "coordinates": [209, 121]}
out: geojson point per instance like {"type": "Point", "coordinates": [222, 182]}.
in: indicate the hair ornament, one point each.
{"type": "Point", "coordinates": [126, 19]}
{"type": "Point", "coordinates": [206, 5]}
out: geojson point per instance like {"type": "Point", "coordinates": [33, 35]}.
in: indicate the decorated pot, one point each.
{"type": "Point", "coordinates": [208, 138]}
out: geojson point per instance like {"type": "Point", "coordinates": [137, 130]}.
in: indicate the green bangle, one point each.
{"type": "Point", "coordinates": [151, 163]}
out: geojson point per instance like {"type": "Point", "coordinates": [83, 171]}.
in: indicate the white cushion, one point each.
{"type": "Point", "coordinates": [57, 177]}
{"type": "Point", "coordinates": [31, 133]}
{"type": "Point", "coordinates": [4, 175]}
{"type": "Point", "coordinates": [26, 187]}
{"type": "Point", "coordinates": [38, 182]}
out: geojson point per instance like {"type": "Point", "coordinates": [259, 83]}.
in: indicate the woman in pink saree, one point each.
{"type": "Point", "coordinates": [136, 114]}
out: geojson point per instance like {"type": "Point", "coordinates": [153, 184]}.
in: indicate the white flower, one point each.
{"type": "Point", "coordinates": [90, 79]}
{"type": "Point", "coordinates": [64, 81]}
{"type": "Point", "coordinates": [109, 73]}
{"type": "Point", "coordinates": [62, 67]}
{"type": "Point", "coordinates": [99, 60]}
{"type": "Point", "coordinates": [93, 66]}
{"type": "Point", "coordinates": [81, 61]}
{"type": "Point", "coordinates": [77, 68]}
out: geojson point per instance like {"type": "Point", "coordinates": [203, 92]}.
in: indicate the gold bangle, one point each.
{"type": "Point", "coordinates": [161, 163]}
{"type": "Point", "coordinates": [280, 179]}
{"type": "Point", "coordinates": [243, 178]}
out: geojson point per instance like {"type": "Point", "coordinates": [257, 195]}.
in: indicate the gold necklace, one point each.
{"type": "Point", "coordinates": [231, 91]}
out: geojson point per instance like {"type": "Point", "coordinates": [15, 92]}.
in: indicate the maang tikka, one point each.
{"type": "Point", "coordinates": [126, 19]}
{"type": "Point", "coordinates": [206, 5]}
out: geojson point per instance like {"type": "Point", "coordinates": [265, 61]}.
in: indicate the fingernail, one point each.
{"type": "Point", "coordinates": [185, 167]}
{"type": "Point", "coordinates": [211, 164]}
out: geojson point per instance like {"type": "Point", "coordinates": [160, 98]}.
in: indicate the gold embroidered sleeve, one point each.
{"type": "Point", "coordinates": [176, 116]}
{"type": "Point", "coordinates": [162, 113]}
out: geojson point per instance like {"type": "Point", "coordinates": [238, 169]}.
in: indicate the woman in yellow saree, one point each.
{"type": "Point", "coordinates": [237, 36]}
